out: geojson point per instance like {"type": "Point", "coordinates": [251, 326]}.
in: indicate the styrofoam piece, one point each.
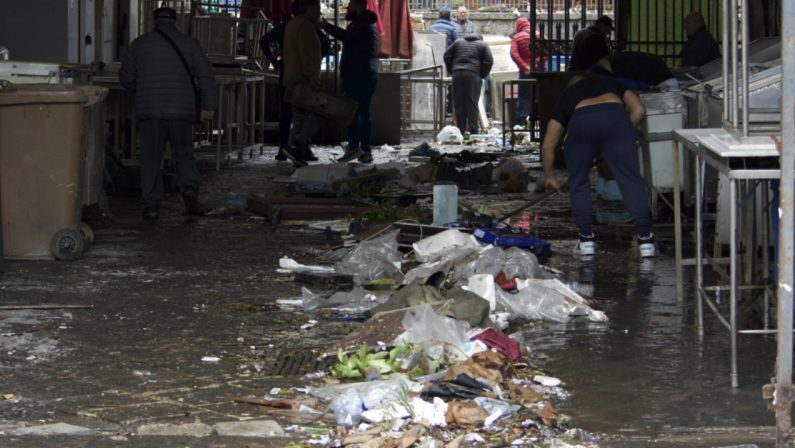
{"type": "Point", "coordinates": [437, 246]}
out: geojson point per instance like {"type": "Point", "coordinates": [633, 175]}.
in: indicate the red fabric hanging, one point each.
{"type": "Point", "coordinates": [398, 38]}
{"type": "Point", "coordinates": [372, 5]}
{"type": "Point", "coordinates": [276, 11]}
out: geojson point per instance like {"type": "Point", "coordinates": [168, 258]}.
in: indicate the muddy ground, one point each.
{"type": "Point", "coordinates": [165, 295]}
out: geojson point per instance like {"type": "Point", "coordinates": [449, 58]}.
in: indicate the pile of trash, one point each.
{"type": "Point", "coordinates": [431, 365]}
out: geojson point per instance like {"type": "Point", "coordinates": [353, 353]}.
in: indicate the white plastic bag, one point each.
{"type": "Point", "coordinates": [357, 300]}
{"type": "Point", "coordinates": [437, 246]}
{"type": "Point", "coordinates": [424, 326]}
{"type": "Point", "coordinates": [348, 408]}
{"type": "Point", "coordinates": [547, 300]}
{"type": "Point", "coordinates": [450, 135]}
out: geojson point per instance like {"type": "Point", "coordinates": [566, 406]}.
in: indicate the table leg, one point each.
{"type": "Point", "coordinates": [699, 257]}
{"type": "Point", "coordinates": [733, 278]}
{"type": "Point", "coordinates": [677, 226]}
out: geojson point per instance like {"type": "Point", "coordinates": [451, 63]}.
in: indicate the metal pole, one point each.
{"type": "Point", "coordinates": [783, 396]}
{"type": "Point", "coordinates": [726, 48]}
{"type": "Point", "coordinates": [733, 254]}
{"type": "Point", "coordinates": [746, 74]}
{"type": "Point", "coordinates": [734, 85]}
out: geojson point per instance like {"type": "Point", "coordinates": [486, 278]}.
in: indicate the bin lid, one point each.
{"type": "Point", "coordinates": [41, 94]}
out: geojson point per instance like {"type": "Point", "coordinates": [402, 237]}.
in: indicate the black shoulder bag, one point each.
{"type": "Point", "coordinates": [196, 92]}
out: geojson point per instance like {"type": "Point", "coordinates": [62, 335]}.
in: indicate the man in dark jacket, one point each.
{"type": "Point", "coordinates": [469, 60]}
{"type": "Point", "coordinates": [359, 73]}
{"type": "Point", "coordinates": [272, 44]}
{"type": "Point", "coordinates": [700, 46]}
{"type": "Point", "coordinates": [636, 70]}
{"type": "Point", "coordinates": [463, 25]}
{"type": "Point", "coordinates": [166, 106]}
{"type": "Point", "coordinates": [590, 44]}
{"type": "Point", "coordinates": [444, 26]}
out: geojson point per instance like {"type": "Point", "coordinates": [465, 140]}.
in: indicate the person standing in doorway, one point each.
{"type": "Point", "coordinates": [469, 60]}
{"type": "Point", "coordinates": [590, 44]}
{"type": "Point", "coordinates": [463, 25]}
{"type": "Point", "coordinates": [302, 57]}
{"type": "Point", "coordinates": [359, 72]}
{"type": "Point", "coordinates": [599, 115]}
{"type": "Point", "coordinates": [172, 80]}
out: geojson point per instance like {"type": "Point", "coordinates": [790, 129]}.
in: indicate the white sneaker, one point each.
{"type": "Point", "coordinates": [647, 247]}
{"type": "Point", "coordinates": [585, 246]}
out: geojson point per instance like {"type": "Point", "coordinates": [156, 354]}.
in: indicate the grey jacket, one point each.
{"type": "Point", "coordinates": [152, 69]}
{"type": "Point", "coordinates": [470, 53]}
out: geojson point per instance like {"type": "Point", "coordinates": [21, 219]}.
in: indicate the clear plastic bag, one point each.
{"type": "Point", "coordinates": [374, 259]}
{"type": "Point", "coordinates": [547, 300]}
{"type": "Point", "coordinates": [357, 300]}
{"type": "Point", "coordinates": [519, 263]}
{"type": "Point", "coordinates": [423, 325]}
{"type": "Point", "coordinates": [348, 408]}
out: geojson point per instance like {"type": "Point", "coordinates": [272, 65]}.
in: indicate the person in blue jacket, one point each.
{"type": "Point", "coordinates": [444, 26]}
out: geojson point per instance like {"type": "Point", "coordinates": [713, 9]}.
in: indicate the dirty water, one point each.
{"type": "Point", "coordinates": [647, 373]}
{"type": "Point", "coordinates": [169, 294]}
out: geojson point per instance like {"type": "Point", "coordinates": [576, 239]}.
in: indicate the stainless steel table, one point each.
{"type": "Point", "coordinates": [721, 151]}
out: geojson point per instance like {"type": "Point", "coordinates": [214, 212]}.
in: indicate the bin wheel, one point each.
{"type": "Point", "coordinates": [67, 245]}
{"type": "Point", "coordinates": [86, 232]}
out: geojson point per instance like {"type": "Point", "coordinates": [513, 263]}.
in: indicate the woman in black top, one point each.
{"type": "Point", "coordinates": [599, 115]}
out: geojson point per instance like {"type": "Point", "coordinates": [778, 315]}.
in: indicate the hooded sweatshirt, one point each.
{"type": "Point", "coordinates": [520, 47]}
{"type": "Point", "coordinates": [360, 44]}
{"type": "Point", "coordinates": [470, 53]}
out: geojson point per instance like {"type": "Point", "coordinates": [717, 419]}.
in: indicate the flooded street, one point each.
{"type": "Point", "coordinates": [167, 296]}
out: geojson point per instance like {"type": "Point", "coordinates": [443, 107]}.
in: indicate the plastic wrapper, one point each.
{"type": "Point", "coordinates": [547, 300]}
{"type": "Point", "coordinates": [372, 260]}
{"type": "Point", "coordinates": [357, 300]}
{"type": "Point", "coordinates": [438, 246]}
{"type": "Point", "coordinates": [519, 263]}
{"type": "Point", "coordinates": [424, 326]}
{"type": "Point", "coordinates": [450, 135]}
{"type": "Point", "coordinates": [348, 408]}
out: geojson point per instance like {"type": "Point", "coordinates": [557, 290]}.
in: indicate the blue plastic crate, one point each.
{"type": "Point", "coordinates": [510, 237]}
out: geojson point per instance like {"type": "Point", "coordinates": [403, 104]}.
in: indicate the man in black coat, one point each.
{"type": "Point", "coordinates": [469, 60]}
{"type": "Point", "coordinates": [166, 105]}
{"type": "Point", "coordinates": [359, 73]}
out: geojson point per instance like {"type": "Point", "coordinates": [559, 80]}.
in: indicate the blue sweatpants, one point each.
{"type": "Point", "coordinates": [605, 129]}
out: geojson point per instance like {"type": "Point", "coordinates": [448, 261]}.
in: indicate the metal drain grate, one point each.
{"type": "Point", "coordinates": [296, 363]}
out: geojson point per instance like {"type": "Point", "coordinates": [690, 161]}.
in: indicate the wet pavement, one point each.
{"type": "Point", "coordinates": [165, 296]}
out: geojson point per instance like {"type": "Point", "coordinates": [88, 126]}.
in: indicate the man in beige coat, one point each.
{"type": "Point", "coordinates": [302, 66]}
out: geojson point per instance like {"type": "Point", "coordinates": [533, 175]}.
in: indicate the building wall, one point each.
{"type": "Point", "coordinates": [35, 30]}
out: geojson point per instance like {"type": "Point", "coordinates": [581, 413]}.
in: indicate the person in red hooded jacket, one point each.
{"type": "Point", "coordinates": [520, 53]}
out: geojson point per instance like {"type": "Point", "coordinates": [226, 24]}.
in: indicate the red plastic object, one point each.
{"type": "Point", "coordinates": [504, 282]}
{"type": "Point", "coordinates": [501, 342]}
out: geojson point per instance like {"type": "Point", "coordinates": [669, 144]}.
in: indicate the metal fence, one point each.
{"type": "Point", "coordinates": [509, 5]}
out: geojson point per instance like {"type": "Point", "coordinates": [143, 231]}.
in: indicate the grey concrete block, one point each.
{"type": "Point", "coordinates": [196, 429]}
{"type": "Point", "coordinates": [52, 429]}
{"type": "Point", "coordinates": [252, 428]}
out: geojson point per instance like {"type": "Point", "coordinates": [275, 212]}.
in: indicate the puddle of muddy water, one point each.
{"type": "Point", "coordinates": [647, 371]}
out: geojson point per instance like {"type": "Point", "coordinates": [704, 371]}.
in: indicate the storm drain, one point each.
{"type": "Point", "coordinates": [296, 363]}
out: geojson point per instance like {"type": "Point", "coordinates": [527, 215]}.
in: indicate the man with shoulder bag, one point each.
{"type": "Point", "coordinates": [174, 88]}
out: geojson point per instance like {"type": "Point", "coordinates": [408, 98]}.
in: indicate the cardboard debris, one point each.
{"type": "Point", "coordinates": [465, 413]}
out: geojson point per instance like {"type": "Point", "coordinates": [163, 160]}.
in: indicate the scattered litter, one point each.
{"type": "Point", "coordinates": [450, 135]}
{"type": "Point", "coordinates": [210, 359]}
{"type": "Point", "coordinates": [288, 265]}
{"type": "Point", "coordinates": [308, 325]}
{"type": "Point", "coordinates": [547, 381]}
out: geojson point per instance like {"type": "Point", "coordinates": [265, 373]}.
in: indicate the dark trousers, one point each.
{"type": "Point", "coordinates": [466, 95]}
{"type": "Point", "coordinates": [605, 129]}
{"type": "Point", "coordinates": [285, 117]}
{"type": "Point", "coordinates": [154, 135]}
{"type": "Point", "coordinates": [525, 101]}
{"type": "Point", "coordinates": [360, 88]}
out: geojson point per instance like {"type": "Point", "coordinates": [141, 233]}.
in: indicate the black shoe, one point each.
{"type": "Point", "coordinates": [279, 156]}
{"type": "Point", "coordinates": [309, 156]}
{"type": "Point", "coordinates": [366, 157]}
{"type": "Point", "coordinates": [293, 154]}
{"type": "Point", "coordinates": [191, 200]}
{"type": "Point", "coordinates": [152, 213]}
